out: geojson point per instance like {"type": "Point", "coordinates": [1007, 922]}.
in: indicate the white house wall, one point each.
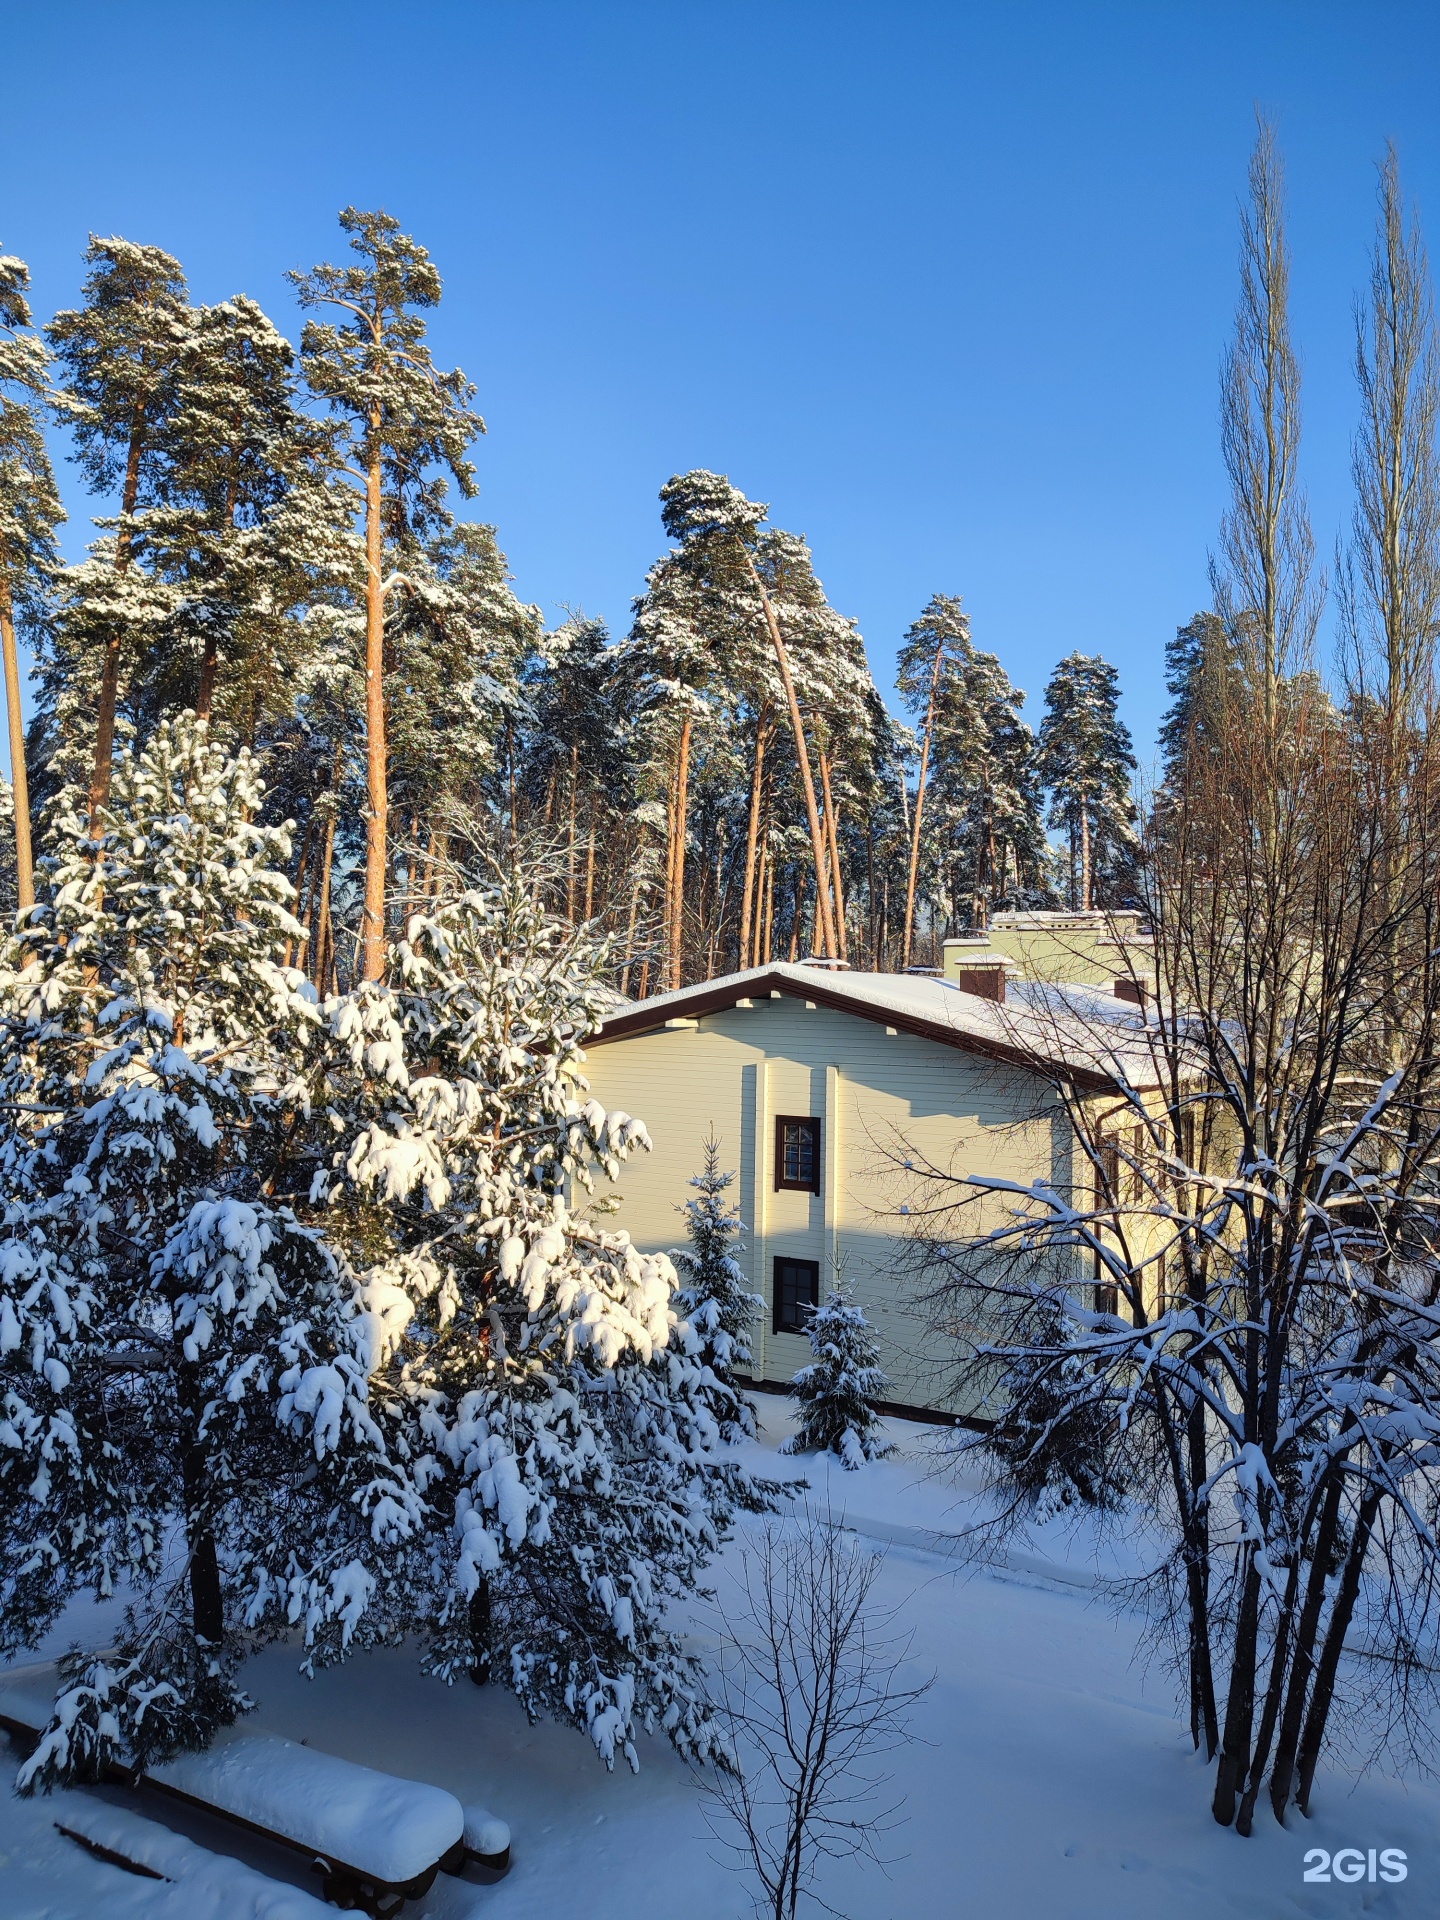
{"type": "Point", "coordinates": [879, 1095]}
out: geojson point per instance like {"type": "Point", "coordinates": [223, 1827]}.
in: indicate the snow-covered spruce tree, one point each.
{"type": "Point", "coordinates": [835, 1393]}
{"type": "Point", "coordinates": [714, 1298]}
{"type": "Point", "coordinates": [533, 1368]}
{"type": "Point", "coordinates": [183, 1363]}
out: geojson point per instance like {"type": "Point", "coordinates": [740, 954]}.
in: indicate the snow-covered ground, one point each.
{"type": "Point", "coordinates": [1049, 1777]}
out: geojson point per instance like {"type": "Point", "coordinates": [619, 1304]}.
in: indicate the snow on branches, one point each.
{"type": "Point", "coordinates": [714, 1295]}
{"type": "Point", "coordinates": [836, 1391]}
{"type": "Point", "coordinates": [185, 1414]}
{"type": "Point", "coordinates": [557, 1415]}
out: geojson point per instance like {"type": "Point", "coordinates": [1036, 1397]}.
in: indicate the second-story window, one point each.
{"type": "Point", "coordinates": [797, 1152]}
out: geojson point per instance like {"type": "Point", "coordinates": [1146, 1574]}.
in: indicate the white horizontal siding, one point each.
{"type": "Point", "coordinates": [893, 1093]}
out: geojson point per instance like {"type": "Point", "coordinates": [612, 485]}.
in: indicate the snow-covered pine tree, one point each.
{"type": "Point", "coordinates": [400, 418]}
{"type": "Point", "coordinates": [1086, 759]}
{"type": "Point", "coordinates": [184, 1364]}
{"type": "Point", "coordinates": [30, 511]}
{"type": "Point", "coordinates": [836, 1392]}
{"type": "Point", "coordinates": [118, 355]}
{"type": "Point", "coordinates": [561, 1434]}
{"type": "Point", "coordinates": [714, 1298]}
{"type": "Point", "coordinates": [249, 526]}
{"type": "Point", "coordinates": [575, 766]}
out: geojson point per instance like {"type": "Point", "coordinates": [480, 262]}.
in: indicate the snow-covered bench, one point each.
{"type": "Point", "coordinates": [378, 1840]}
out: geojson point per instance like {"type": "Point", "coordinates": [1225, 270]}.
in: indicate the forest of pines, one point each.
{"type": "Point", "coordinates": [277, 553]}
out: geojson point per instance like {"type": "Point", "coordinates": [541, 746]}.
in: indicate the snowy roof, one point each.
{"type": "Point", "coordinates": [1094, 1038]}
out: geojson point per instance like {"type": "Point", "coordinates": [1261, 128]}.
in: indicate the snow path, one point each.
{"type": "Point", "coordinates": [1050, 1778]}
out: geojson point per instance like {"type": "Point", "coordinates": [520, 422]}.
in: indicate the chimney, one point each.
{"type": "Point", "coordinates": [973, 965]}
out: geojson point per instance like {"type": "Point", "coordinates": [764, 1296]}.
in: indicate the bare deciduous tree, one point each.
{"type": "Point", "coordinates": [810, 1685]}
{"type": "Point", "coordinates": [1227, 1303]}
{"type": "Point", "coordinates": [1391, 586]}
{"type": "Point", "coordinates": [1263, 573]}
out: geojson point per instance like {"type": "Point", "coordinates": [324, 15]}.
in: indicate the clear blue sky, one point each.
{"type": "Point", "coordinates": [946, 284]}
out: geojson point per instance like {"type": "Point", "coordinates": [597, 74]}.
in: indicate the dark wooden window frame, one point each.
{"type": "Point", "coordinates": [812, 1121]}
{"type": "Point", "coordinates": [811, 1269]}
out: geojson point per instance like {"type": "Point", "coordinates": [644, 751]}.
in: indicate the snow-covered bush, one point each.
{"type": "Point", "coordinates": [533, 1366]}
{"type": "Point", "coordinates": [713, 1296]}
{"type": "Point", "coordinates": [184, 1407]}
{"type": "Point", "coordinates": [836, 1391]}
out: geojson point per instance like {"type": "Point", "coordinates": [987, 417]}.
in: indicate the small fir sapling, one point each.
{"type": "Point", "coordinates": [713, 1297]}
{"type": "Point", "coordinates": [836, 1392]}
{"type": "Point", "coordinates": [184, 1364]}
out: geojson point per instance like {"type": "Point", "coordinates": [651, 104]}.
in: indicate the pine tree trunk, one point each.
{"type": "Point", "coordinates": [24, 861]}
{"type": "Point", "coordinates": [750, 896]}
{"type": "Point", "coordinates": [675, 934]}
{"type": "Point", "coordinates": [920, 807]}
{"type": "Point", "coordinates": [630, 929]}
{"type": "Point", "coordinates": [110, 672]}
{"type": "Point", "coordinates": [590, 876]}
{"type": "Point", "coordinates": [205, 696]}
{"type": "Point", "coordinates": [802, 756]}
{"type": "Point", "coordinates": [324, 936]}
{"type": "Point", "coordinates": [372, 919]}
{"type": "Point", "coordinates": [832, 825]}
{"type": "Point", "coordinates": [1085, 860]}
{"type": "Point", "coordinates": [768, 934]}
{"type": "Point", "coordinates": [570, 834]}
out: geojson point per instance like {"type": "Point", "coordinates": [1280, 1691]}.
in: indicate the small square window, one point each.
{"type": "Point", "coordinates": [797, 1291]}
{"type": "Point", "coordinates": [797, 1153]}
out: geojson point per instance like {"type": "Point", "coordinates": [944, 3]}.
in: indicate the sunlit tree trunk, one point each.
{"type": "Point", "coordinates": [802, 756]}
{"type": "Point", "coordinates": [24, 862]}
{"type": "Point", "coordinates": [110, 671]}
{"type": "Point", "coordinates": [920, 808]}
{"type": "Point", "coordinates": [372, 923]}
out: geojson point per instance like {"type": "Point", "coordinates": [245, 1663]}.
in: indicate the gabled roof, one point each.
{"type": "Point", "coordinates": [1088, 1035]}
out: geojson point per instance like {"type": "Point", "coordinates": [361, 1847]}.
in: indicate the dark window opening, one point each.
{"type": "Point", "coordinates": [797, 1153]}
{"type": "Point", "coordinates": [797, 1291]}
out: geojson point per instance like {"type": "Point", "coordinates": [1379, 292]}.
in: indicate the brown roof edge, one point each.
{"type": "Point", "coordinates": [716, 996]}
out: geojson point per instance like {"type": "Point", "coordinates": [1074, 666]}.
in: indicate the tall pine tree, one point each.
{"type": "Point", "coordinates": [1085, 760]}
{"type": "Point", "coordinates": [118, 354]}
{"type": "Point", "coordinates": [401, 420]}
{"type": "Point", "coordinates": [30, 511]}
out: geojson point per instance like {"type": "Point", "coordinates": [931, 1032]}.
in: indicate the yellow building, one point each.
{"type": "Point", "coordinates": [819, 1084]}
